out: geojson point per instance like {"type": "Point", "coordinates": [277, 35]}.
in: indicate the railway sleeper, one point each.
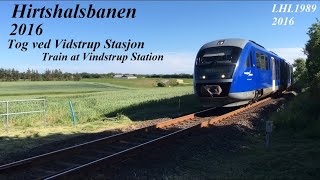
{"type": "Point", "coordinates": [115, 147]}
{"type": "Point", "coordinates": [154, 136]}
{"type": "Point", "coordinates": [172, 129]}
{"type": "Point", "coordinates": [159, 132]}
{"type": "Point", "coordinates": [142, 140]}
{"type": "Point", "coordinates": [84, 158]}
{"type": "Point", "coordinates": [103, 152]}
{"type": "Point", "coordinates": [41, 172]}
{"type": "Point", "coordinates": [67, 164]}
{"type": "Point", "coordinates": [130, 143]}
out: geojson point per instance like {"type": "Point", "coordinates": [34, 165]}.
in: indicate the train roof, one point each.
{"type": "Point", "coordinates": [236, 42]}
{"type": "Point", "coordinates": [226, 42]}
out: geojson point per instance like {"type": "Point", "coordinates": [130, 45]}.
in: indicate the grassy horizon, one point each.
{"type": "Point", "coordinates": [135, 83]}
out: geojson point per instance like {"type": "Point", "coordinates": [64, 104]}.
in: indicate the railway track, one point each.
{"type": "Point", "coordinates": [84, 158]}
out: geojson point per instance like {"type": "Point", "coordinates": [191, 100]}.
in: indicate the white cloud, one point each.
{"type": "Point", "coordinates": [289, 54]}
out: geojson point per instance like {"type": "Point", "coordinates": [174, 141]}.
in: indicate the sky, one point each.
{"type": "Point", "coordinates": [175, 29]}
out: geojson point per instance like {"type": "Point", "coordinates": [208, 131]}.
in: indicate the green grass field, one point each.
{"type": "Point", "coordinates": [93, 100]}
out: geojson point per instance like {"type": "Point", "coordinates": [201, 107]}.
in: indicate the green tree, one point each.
{"type": "Point", "coordinates": [35, 76]}
{"type": "Point", "coordinates": [15, 75]}
{"type": "Point", "coordinates": [8, 75]}
{"type": "Point", "coordinates": [76, 77]}
{"type": "Point", "coordinates": [59, 75]}
{"type": "Point", "coordinates": [300, 73]}
{"type": "Point", "coordinates": [67, 76]}
{"type": "Point", "coordinates": [47, 76]}
{"type": "Point", "coordinates": [312, 50]}
{"type": "Point", "coordinates": [23, 76]}
{"type": "Point", "coordinates": [28, 74]}
{"type": "Point", "coordinates": [2, 74]}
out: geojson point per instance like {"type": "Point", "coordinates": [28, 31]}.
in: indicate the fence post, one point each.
{"type": "Point", "coordinates": [7, 120]}
{"type": "Point", "coordinates": [44, 112]}
{"type": "Point", "coordinates": [268, 133]}
{"type": "Point", "coordinates": [72, 114]}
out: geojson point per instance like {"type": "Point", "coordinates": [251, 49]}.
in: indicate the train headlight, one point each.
{"type": "Point", "coordinates": [203, 77]}
{"type": "Point", "coordinates": [223, 76]}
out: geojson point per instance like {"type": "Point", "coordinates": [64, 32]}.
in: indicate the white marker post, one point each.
{"type": "Point", "coordinates": [268, 133]}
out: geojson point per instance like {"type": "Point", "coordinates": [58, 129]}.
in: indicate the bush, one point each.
{"type": "Point", "coordinates": [301, 115]}
{"type": "Point", "coordinates": [167, 83]}
{"type": "Point", "coordinates": [161, 84]}
{"type": "Point", "coordinates": [173, 83]}
{"type": "Point", "coordinates": [317, 80]}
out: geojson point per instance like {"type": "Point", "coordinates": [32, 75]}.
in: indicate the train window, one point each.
{"type": "Point", "coordinates": [225, 54]}
{"type": "Point", "coordinates": [262, 61]}
{"type": "Point", "coordinates": [267, 63]}
{"type": "Point", "coordinates": [251, 64]}
{"type": "Point", "coordinates": [249, 60]}
{"type": "Point", "coordinates": [258, 60]}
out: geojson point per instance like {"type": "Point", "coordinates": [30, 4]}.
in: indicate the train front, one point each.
{"type": "Point", "coordinates": [214, 67]}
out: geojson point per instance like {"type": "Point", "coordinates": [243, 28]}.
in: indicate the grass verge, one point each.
{"type": "Point", "coordinates": [22, 140]}
{"type": "Point", "coordinates": [300, 116]}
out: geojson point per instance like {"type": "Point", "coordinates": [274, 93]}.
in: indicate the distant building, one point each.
{"type": "Point", "coordinates": [118, 76]}
{"type": "Point", "coordinates": [124, 76]}
{"type": "Point", "coordinates": [130, 76]}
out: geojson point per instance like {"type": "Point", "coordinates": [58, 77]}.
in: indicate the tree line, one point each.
{"type": "Point", "coordinates": [111, 75]}
{"type": "Point", "coordinates": [187, 76]}
{"type": "Point", "coordinates": [58, 75]}
{"type": "Point", "coordinates": [34, 75]}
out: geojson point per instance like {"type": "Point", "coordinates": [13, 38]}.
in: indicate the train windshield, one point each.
{"type": "Point", "coordinates": [217, 62]}
{"type": "Point", "coordinates": [219, 55]}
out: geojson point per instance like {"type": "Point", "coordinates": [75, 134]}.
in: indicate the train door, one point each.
{"type": "Point", "coordinates": [273, 69]}
{"type": "Point", "coordinates": [255, 69]}
{"type": "Point", "coordinates": [278, 74]}
{"type": "Point", "coordinates": [259, 70]}
{"type": "Point", "coordinates": [250, 71]}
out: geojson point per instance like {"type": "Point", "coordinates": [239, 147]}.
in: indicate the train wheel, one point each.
{"type": "Point", "coordinates": [256, 96]}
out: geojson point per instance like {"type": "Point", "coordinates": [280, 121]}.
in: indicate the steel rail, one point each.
{"type": "Point", "coordinates": [232, 113]}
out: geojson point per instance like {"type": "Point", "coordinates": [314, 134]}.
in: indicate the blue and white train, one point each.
{"type": "Point", "coordinates": [233, 72]}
